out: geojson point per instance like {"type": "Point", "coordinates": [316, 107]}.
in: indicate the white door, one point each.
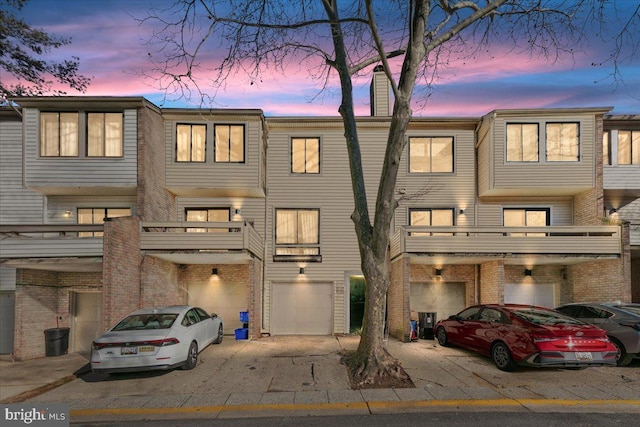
{"type": "Point", "coordinates": [7, 313]}
{"type": "Point", "coordinates": [86, 321]}
{"type": "Point", "coordinates": [227, 300]}
{"type": "Point", "coordinates": [302, 309]}
{"type": "Point", "coordinates": [531, 294]}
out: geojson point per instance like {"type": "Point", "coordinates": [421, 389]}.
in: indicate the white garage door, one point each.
{"type": "Point", "coordinates": [444, 299]}
{"type": "Point", "coordinates": [225, 299]}
{"type": "Point", "coordinates": [532, 294]}
{"type": "Point", "coordinates": [302, 309]}
{"type": "Point", "coordinates": [7, 303]}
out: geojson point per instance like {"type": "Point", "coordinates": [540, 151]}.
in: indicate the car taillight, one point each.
{"type": "Point", "coordinates": [542, 338]}
{"type": "Point", "coordinates": [165, 342]}
{"type": "Point", "coordinates": [98, 345]}
{"type": "Point", "coordinates": [633, 325]}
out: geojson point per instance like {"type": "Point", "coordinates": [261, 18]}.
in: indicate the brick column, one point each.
{"type": "Point", "coordinates": [492, 278]}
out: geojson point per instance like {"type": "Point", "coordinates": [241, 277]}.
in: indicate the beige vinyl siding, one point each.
{"type": "Point", "coordinates": [620, 177]}
{"type": "Point", "coordinates": [490, 213]}
{"type": "Point", "coordinates": [441, 190]}
{"type": "Point", "coordinates": [183, 178]}
{"type": "Point", "coordinates": [55, 175]}
{"type": "Point", "coordinates": [57, 205]}
{"type": "Point", "coordinates": [17, 204]}
{"type": "Point", "coordinates": [556, 178]}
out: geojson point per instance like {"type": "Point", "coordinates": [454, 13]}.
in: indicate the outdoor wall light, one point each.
{"type": "Point", "coordinates": [66, 214]}
{"type": "Point", "coordinates": [301, 270]}
{"type": "Point", "coordinates": [527, 272]}
{"type": "Point", "coordinates": [461, 211]}
{"type": "Point", "coordinates": [237, 211]}
{"type": "Point", "coordinates": [438, 272]}
{"type": "Point", "coordinates": [214, 272]}
{"type": "Point", "coordinates": [612, 211]}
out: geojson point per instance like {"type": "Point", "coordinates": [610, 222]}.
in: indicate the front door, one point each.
{"type": "Point", "coordinates": [86, 320]}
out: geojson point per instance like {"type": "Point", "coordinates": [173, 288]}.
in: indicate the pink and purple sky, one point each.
{"type": "Point", "coordinates": [110, 45]}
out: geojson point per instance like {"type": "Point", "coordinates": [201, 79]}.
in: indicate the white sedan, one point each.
{"type": "Point", "coordinates": [156, 338]}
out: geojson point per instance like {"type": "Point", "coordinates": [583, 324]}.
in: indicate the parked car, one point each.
{"type": "Point", "coordinates": [156, 338]}
{"type": "Point", "coordinates": [620, 320]}
{"type": "Point", "coordinates": [513, 335]}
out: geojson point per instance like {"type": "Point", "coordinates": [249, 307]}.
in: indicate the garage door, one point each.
{"type": "Point", "coordinates": [302, 309]}
{"type": "Point", "coordinates": [225, 299]}
{"type": "Point", "coordinates": [444, 299]}
{"type": "Point", "coordinates": [7, 304]}
{"type": "Point", "coordinates": [532, 294]}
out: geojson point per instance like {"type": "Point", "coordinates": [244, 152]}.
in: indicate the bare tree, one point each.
{"type": "Point", "coordinates": [21, 47]}
{"type": "Point", "coordinates": [410, 39]}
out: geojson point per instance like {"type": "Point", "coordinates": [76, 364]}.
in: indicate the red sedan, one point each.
{"type": "Point", "coordinates": [513, 335]}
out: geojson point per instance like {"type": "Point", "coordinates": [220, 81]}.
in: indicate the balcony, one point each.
{"type": "Point", "coordinates": [60, 247]}
{"type": "Point", "coordinates": [478, 244]}
{"type": "Point", "coordinates": [207, 239]}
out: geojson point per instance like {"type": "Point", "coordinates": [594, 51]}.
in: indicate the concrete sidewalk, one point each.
{"type": "Point", "coordinates": [303, 376]}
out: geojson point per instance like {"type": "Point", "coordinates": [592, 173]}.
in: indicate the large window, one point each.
{"type": "Point", "coordinates": [522, 142]}
{"type": "Point", "coordinates": [208, 215]}
{"type": "Point", "coordinates": [229, 143]}
{"type": "Point", "coordinates": [563, 142]}
{"type": "Point", "coordinates": [431, 155]}
{"type": "Point", "coordinates": [59, 134]}
{"type": "Point", "coordinates": [104, 135]}
{"type": "Point", "coordinates": [297, 232]}
{"type": "Point", "coordinates": [305, 155]}
{"type": "Point", "coordinates": [97, 216]}
{"type": "Point", "coordinates": [629, 147]}
{"type": "Point", "coordinates": [191, 143]}
{"type": "Point", "coordinates": [430, 217]}
{"type": "Point", "coordinates": [526, 217]}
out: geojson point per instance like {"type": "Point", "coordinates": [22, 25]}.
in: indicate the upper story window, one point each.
{"type": "Point", "coordinates": [190, 143]}
{"type": "Point", "coordinates": [563, 142]}
{"type": "Point", "coordinates": [305, 155]}
{"type": "Point", "coordinates": [430, 155]}
{"type": "Point", "coordinates": [606, 148]}
{"type": "Point", "coordinates": [59, 134]}
{"type": "Point", "coordinates": [229, 143]}
{"type": "Point", "coordinates": [208, 215]}
{"type": "Point", "coordinates": [104, 135]}
{"type": "Point", "coordinates": [526, 217]}
{"type": "Point", "coordinates": [430, 218]}
{"type": "Point", "coordinates": [297, 232]}
{"type": "Point", "coordinates": [97, 216]}
{"type": "Point", "coordinates": [522, 142]}
{"type": "Point", "coordinates": [629, 147]}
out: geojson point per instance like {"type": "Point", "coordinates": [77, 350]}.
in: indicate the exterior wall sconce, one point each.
{"type": "Point", "coordinates": [528, 272]}
{"type": "Point", "coordinates": [301, 270]}
{"type": "Point", "coordinates": [66, 214]}
{"type": "Point", "coordinates": [438, 272]}
{"type": "Point", "coordinates": [237, 211]}
{"type": "Point", "coordinates": [612, 211]}
{"type": "Point", "coordinates": [214, 272]}
{"type": "Point", "coordinates": [461, 211]}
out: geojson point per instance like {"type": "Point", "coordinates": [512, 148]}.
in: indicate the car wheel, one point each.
{"type": "Point", "coordinates": [218, 339]}
{"type": "Point", "coordinates": [502, 357]}
{"type": "Point", "coordinates": [622, 358]}
{"type": "Point", "coordinates": [192, 357]}
{"type": "Point", "coordinates": [441, 336]}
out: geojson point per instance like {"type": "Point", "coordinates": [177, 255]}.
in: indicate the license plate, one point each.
{"type": "Point", "coordinates": [129, 350]}
{"type": "Point", "coordinates": [146, 348]}
{"type": "Point", "coordinates": [584, 356]}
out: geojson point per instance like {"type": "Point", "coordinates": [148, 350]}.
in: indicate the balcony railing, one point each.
{"type": "Point", "coordinates": [597, 240]}
{"type": "Point", "coordinates": [50, 241]}
{"type": "Point", "coordinates": [204, 236]}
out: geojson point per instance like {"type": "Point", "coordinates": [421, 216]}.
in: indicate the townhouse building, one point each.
{"type": "Point", "coordinates": [108, 204]}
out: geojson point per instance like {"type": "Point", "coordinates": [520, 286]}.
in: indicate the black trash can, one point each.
{"type": "Point", "coordinates": [56, 341]}
{"type": "Point", "coordinates": [426, 322]}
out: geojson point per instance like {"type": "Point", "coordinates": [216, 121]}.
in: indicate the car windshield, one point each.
{"type": "Point", "coordinates": [635, 309]}
{"type": "Point", "coordinates": [541, 317]}
{"type": "Point", "coordinates": [146, 321]}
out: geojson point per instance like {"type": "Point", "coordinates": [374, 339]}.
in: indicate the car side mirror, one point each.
{"type": "Point", "coordinates": [214, 316]}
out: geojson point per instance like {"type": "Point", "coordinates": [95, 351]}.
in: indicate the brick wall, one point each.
{"type": "Point", "coordinates": [42, 302]}
{"type": "Point", "coordinates": [450, 274]}
{"type": "Point", "coordinates": [155, 203]}
{"type": "Point", "coordinates": [255, 298]}
{"type": "Point", "coordinates": [160, 286]}
{"type": "Point", "coordinates": [492, 278]}
{"type": "Point", "coordinates": [122, 261]}
{"type": "Point", "coordinates": [599, 281]}
{"type": "Point", "coordinates": [398, 300]}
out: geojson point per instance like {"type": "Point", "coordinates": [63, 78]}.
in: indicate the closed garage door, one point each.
{"type": "Point", "coordinates": [302, 309]}
{"type": "Point", "coordinates": [531, 294]}
{"type": "Point", "coordinates": [225, 299]}
{"type": "Point", "coordinates": [444, 299]}
{"type": "Point", "coordinates": [7, 303]}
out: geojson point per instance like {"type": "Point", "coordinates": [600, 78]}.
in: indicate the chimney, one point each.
{"type": "Point", "coordinates": [380, 93]}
